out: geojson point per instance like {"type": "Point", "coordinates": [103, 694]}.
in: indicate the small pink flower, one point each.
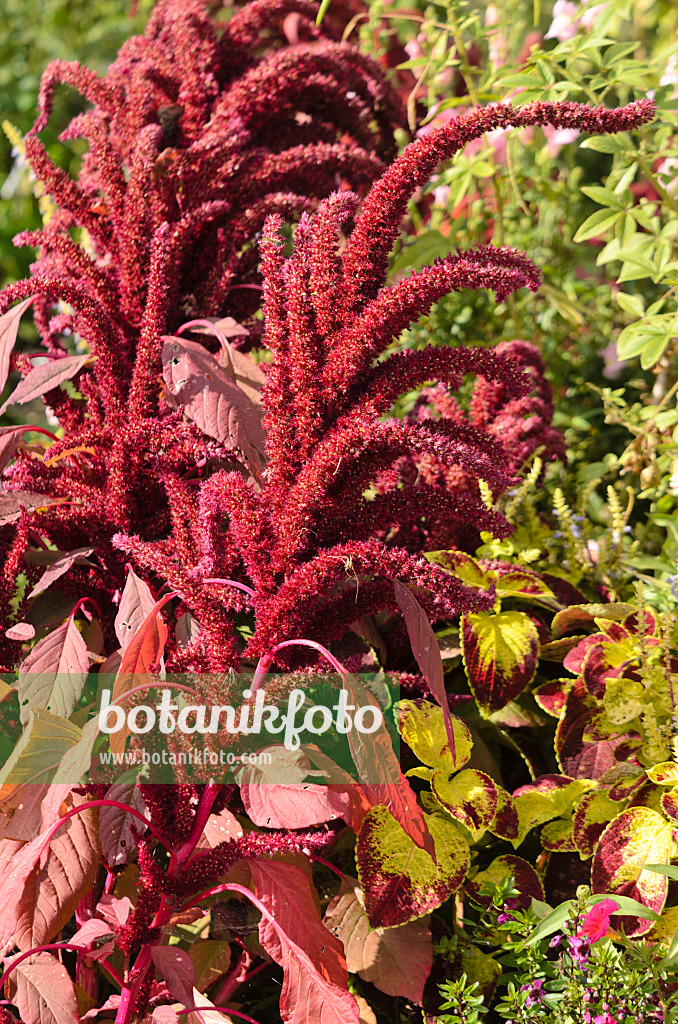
{"type": "Point", "coordinates": [597, 921]}
{"type": "Point", "coordinates": [564, 24]}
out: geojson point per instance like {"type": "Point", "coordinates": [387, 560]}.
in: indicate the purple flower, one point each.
{"type": "Point", "coordinates": [534, 992]}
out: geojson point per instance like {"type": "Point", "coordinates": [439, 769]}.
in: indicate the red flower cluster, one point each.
{"type": "Point", "coordinates": [197, 141]}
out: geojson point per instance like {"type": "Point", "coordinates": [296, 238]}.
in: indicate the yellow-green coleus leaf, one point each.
{"type": "Point", "coordinates": [422, 726]}
{"type": "Point", "coordinates": [593, 814]}
{"type": "Point", "coordinates": [401, 882]}
{"type": "Point", "coordinates": [469, 796]}
{"type": "Point", "coordinates": [664, 774]}
{"type": "Point", "coordinates": [623, 700]}
{"type": "Point", "coordinates": [500, 656]}
{"type": "Point", "coordinates": [551, 796]}
{"type": "Point", "coordinates": [636, 837]}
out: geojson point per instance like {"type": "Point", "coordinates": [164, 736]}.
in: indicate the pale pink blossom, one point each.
{"type": "Point", "coordinates": [556, 138]}
{"type": "Point", "coordinates": [564, 23]}
{"type": "Point", "coordinates": [568, 18]}
{"type": "Point", "coordinates": [670, 76]}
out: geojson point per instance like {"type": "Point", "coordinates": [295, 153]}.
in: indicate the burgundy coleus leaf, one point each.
{"type": "Point", "coordinates": [175, 967]}
{"type": "Point", "coordinates": [525, 880]}
{"type": "Point", "coordinates": [196, 381]}
{"type": "Point", "coordinates": [583, 758]}
{"type": "Point", "coordinates": [469, 797]}
{"type": "Point", "coordinates": [60, 566]}
{"type": "Point", "coordinates": [55, 887]}
{"type": "Point", "coordinates": [43, 992]}
{"type": "Point", "coordinates": [12, 502]}
{"type": "Point", "coordinates": [400, 881]}
{"type": "Point", "coordinates": [44, 378]}
{"type": "Point", "coordinates": [426, 651]}
{"type": "Point", "coordinates": [608, 658]}
{"type": "Point", "coordinates": [9, 326]}
{"type": "Point", "coordinates": [136, 603]}
{"type": "Point", "coordinates": [316, 978]}
{"type": "Point", "coordinates": [54, 673]}
{"type": "Point", "coordinates": [578, 617]}
{"type": "Point", "coordinates": [397, 960]}
{"type": "Point", "coordinates": [551, 696]}
{"type": "Point", "coordinates": [592, 815]}
{"type": "Point", "coordinates": [636, 837]}
{"type": "Point", "coordinates": [500, 656]}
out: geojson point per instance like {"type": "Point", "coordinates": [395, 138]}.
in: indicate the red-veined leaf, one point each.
{"type": "Point", "coordinates": [636, 837]}
{"type": "Point", "coordinates": [196, 381]}
{"type": "Point", "coordinates": [500, 656]}
{"type": "Point", "coordinates": [400, 881]}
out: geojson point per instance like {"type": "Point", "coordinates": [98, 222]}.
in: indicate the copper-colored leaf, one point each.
{"type": "Point", "coordinates": [60, 566]}
{"type": "Point", "coordinates": [54, 889]}
{"type": "Point", "coordinates": [315, 974]}
{"type": "Point", "coordinates": [136, 604]}
{"type": "Point", "coordinates": [54, 673]}
{"type": "Point", "coordinates": [11, 503]}
{"type": "Point", "coordinates": [196, 381]}
{"type": "Point", "coordinates": [44, 378]}
{"type": "Point", "coordinates": [45, 993]}
{"type": "Point", "coordinates": [397, 960]}
{"type": "Point", "coordinates": [139, 660]}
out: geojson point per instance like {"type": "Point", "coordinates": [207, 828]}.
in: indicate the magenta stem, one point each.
{"type": "Point", "coordinates": [233, 583]}
{"type": "Point", "coordinates": [266, 660]}
{"type": "Point", "coordinates": [60, 945]}
{"type": "Point", "coordinates": [326, 863]}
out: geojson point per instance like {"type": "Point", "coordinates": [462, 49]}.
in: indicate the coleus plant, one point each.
{"type": "Point", "coordinates": [164, 462]}
{"type": "Point", "coordinates": [613, 801]}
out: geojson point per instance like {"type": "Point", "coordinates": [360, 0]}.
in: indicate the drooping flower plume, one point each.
{"type": "Point", "coordinates": [163, 463]}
